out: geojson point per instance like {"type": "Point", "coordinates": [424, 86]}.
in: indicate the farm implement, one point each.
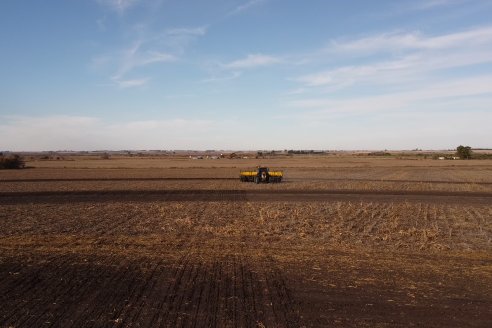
{"type": "Point", "coordinates": [261, 175]}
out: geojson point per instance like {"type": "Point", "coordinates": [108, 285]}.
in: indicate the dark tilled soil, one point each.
{"type": "Point", "coordinates": [82, 265]}
{"type": "Point", "coordinates": [245, 195]}
{"type": "Point", "coordinates": [72, 291]}
{"type": "Point", "coordinates": [234, 291]}
{"type": "Point", "coordinates": [236, 179]}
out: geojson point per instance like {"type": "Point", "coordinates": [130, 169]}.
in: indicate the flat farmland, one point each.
{"type": "Point", "coordinates": [344, 241]}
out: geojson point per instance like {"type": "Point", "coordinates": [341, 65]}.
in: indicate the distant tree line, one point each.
{"type": "Point", "coordinates": [379, 153]}
{"type": "Point", "coordinates": [464, 152]}
{"type": "Point", "coordinates": [292, 151]}
{"type": "Point", "coordinates": [11, 162]}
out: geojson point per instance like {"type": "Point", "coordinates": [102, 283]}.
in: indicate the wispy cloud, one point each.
{"type": "Point", "coordinates": [118, 5]}
{"type": "Point", "coordinates": [245, 6]}
{"type": "Point", "coordinates": [391, 42]}
{"type": "Point", "coordinates": [130, 83]}
{"type": "Point", "coordinates": [252, 61]}
{"type": "Point", "coordinates": [398, 100]}
{"type": "Point", "coordinates": [400, 83]}
{"type": "Point", "coordinates": [232, 76]}
{"type": "Point", "coordinates": [398, 71]}
{"type": "Point", "coordinates": [90, 133]}
{"type": "Point", "coordinates": [177, 39]}
{"type": "Point", "coordinates": [402, 57]}
{"type": "Point", "coordinates": [148, 49]}
{"type": "Point", "coordinates": [431, 4]}
{"type": "Point", "coordinates": [135, 56]}
{"type": "Point", "coordinates": [101, 23]}
{"type": "Point", "coordinates": [190, 31]}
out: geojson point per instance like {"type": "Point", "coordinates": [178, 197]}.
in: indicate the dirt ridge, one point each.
{"type": "Point", "coordinates": [235, 178]}
{"type": "Point", "coordinates": [243, 195]}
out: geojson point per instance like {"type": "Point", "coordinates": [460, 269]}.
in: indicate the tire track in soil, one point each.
{"type": "Point", "coordinates": [134, 308]}
{"type": "Point", "coordinates": [96, 304]}
{"type": "Point", "coordinates": [86, 283]}
{"type": "Point", "coordinates": [60, 197]}
{"type": "Point", "coordinates": [38, 288]}
{"type": "Point", "coordinates": [12, 299]}
{"type": "Point", "coordinates": [50, 314]}
{"type": "Point", "coordinates": [215, 295]}
{"type": "Point", "coordinates": [75, 292]}
{"type": "Point", "coordinates": [86, 296]}
{"type": "Point", "coordinates": [292, 179]}
{"type": "Point", "coordinates": [116, 296]}
{"type": "Point", "coordinates": [231, 291]}
{"type": "Point", "coordinates": [245, 297]}
{"type": "Point", "coordinates": [155, 298]}
{"type": "Point", "coordinates": [484, 183]}
{"type": "Point", "coordinates": [8, 277]}
{"type": "Point", "coordinates": [113, 179]}
{"type": "Point", "coordinates": [135, 287]}
{"type": "Point", "coordinates": [147, 294]}
{"type": "Point", "coordinates": [202, 290]}
{"type": "Point", "coordinates": [179, 307]}
{"type": "Point", "coordinates": [281, 300]}
{"type": "Point", "coordinates": [171, 292]}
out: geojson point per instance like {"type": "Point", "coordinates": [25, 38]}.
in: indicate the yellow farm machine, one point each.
{"type": "Point", "coordinates": [261, 175]}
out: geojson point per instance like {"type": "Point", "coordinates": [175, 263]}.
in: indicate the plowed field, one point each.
{"type": "Point", "coordinates": [146, 248]}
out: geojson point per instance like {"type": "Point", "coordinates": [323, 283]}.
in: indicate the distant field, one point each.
{"type": "Point", "coordinates": [344, 241]}
{"type": "Point", "coordinates": [299, 161]}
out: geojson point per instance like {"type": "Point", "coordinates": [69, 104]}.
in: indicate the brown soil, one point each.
{"type": "Point", "coordinates": [249, 256]}
{"type": "Point", "coordinates": [235, 290]}
{"type": "Point", "coordinates": [246, 195]}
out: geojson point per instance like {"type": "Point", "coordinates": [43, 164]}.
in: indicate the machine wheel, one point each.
{"type": "Point", "coordinates": [257, 179]}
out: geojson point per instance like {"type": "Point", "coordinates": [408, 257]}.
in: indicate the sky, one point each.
{"type": "Point", "coordinates": [245, 74]}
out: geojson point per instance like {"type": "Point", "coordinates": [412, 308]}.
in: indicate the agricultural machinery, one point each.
{"type": "Point", "coordinates": [261, 175]}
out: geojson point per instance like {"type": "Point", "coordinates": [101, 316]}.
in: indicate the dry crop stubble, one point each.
{"type": "Point", "coordinates": [248, 261]}
{"type": "Point", "coordinates": [287, 254]}
{"type": "Point", "coordinates": [393, 225]}
{"type": "Point", "coordinates": [54, 186]}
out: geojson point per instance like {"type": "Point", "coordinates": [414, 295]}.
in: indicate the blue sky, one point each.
{"type": "Point", "coordinates": [245, 74]}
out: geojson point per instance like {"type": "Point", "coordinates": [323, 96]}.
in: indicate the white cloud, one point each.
{"type": "Point", "coordinates": [232, 76]}
{"type": "Point", "coordinates": [190, 31]}
{"type": "Point", "coordinates": [118, 5]}
{"type": "Point", "coordinates": [252, 61]}
{"type": "Point", "coordinates": [130, 83]}
{"type": "Point", "coordinates": [430, 4]}
{"type": "Point", "coordinates": [148, 49]}
{"type": "Point", "coordinates": [41, 133]}
{"type": "Point", "coordinates": [245, 6]}
{"type": "Point", "coordinates": [402, 59]}
{"type": "Point", "coordinates": [397, 71]}
{"type": "Point", "coordinates": [392, 42]}
{"type": "Point", "coordinates": [404, 130]}
{"type": "Point", "coordinates": [129, 60]}
{"type": "Point", "coordinates": [400, 100]}
{"type": "Point", "coordinates": [395, 130]}
{"type": "Point", "coordinates": [150, 57]}
{"type": "Point", "coordinates": [135, 57]}
{"type": "Point", "coordinates": [81, 133]}
{"type": "Point", "coordinates": [399, 88]}
{"type": "Point", "coordinates": [164, 47]}
{"type": "Point", "coordinates": [177, 39]}
{"type": "Point", "coordinates": [101, 23]}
